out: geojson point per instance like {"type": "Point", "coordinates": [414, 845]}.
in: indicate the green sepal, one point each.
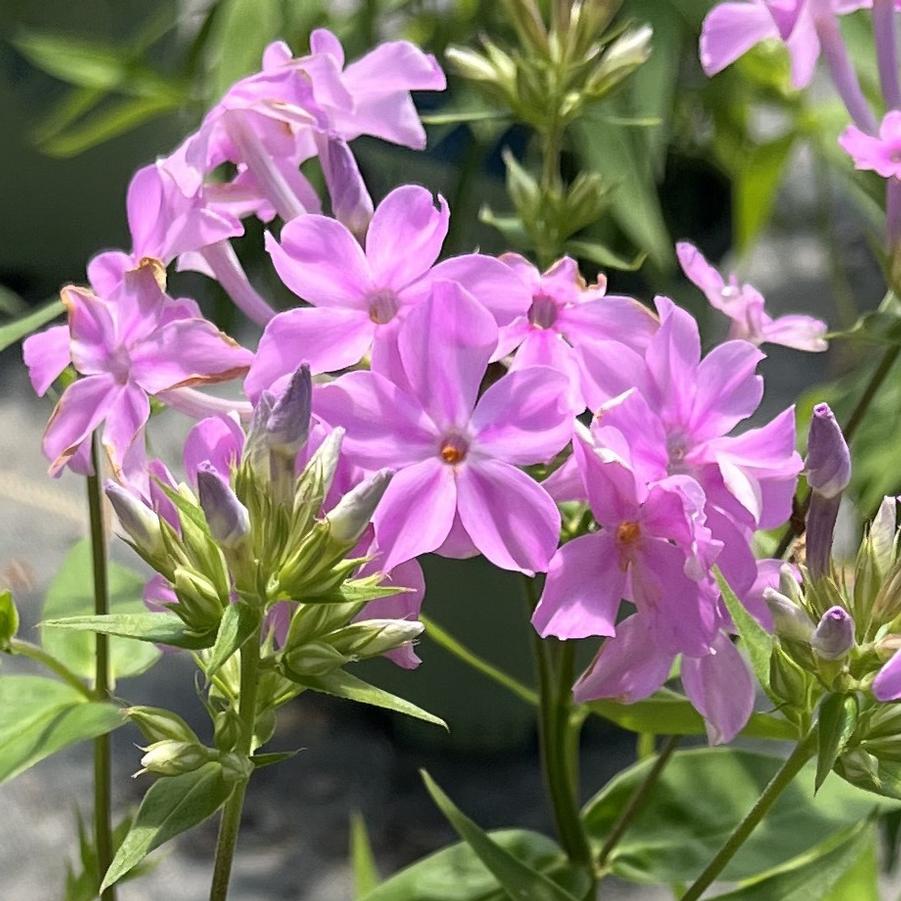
{"type": "Point", "coordinates": [239, 621]}
{"type": "Point", "coordinates": [836, 724]}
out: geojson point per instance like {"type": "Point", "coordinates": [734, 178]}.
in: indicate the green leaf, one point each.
{"type": "Point", "coordinates": [517, 879]}
{"type": "Point", "coordinates": [836, 724]}
{"type": "Point", "coordinates": [757, 641]}
{"type": "Point", "coordinates": [669, 713]}
{"type": "Point", "coordinates": [700, 798]}
{"type": "Point", "coordinates": [238, 623]}
{"type": "Point", "coordinates": [22, 328]}
{"type": "Point", "coordinates": [40, 716]}
{"type": "Point", "coordinates": [9, 619]}
{"type": "Point", "coordinates": [112, 120]}
{"type": "Point", "coordinates": [757, 181]}
{"type": "Point", "coordinates": [821, 874]}
{"type": "Point", "coordinates": [271, 757]}
{"type": "Point", "coordinates": [171, 806]}
{"type": "Point", "coordinates": [882, 326]}
{"type": "Point", "coordinates": [343, 685]}
{"type": "Point", "coordinates": [456, 873]}
{"type": "Point", "coordinates": [455, 117]}
{"type": "Point", "coordinates": [356, 591]}
{"type": "Point", "coordinates": [160, 628]}
{"type": "Point", "coordinates": [242, 29]}
{"type": "Point", "coordinates": [603, 256]}
{"type": "Point", "coordinates": [362, 860]}
{"type": "Point", "coordinates": [71, 593]}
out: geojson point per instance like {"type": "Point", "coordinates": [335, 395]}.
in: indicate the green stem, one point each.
{"type": "Point", "coordinates": [39, 655]}
{"type": "Point", "coordinates": [103, 829]}
{"type": "Point", "coordinates": [637, 799]}
{"type": "Point", "coordinates": [794, 763]}
{"type": "Point", "coordinates": [447, 641]}
{"type": "Point", "coordinates": [553, 738]}
{"type": "Point", "coordinates": [230, 823]}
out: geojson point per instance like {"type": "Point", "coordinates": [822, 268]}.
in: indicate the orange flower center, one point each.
{"type": "Point", "coordinates": [628, 532]}
{"type": "Point", "coordinates": [453, 449]}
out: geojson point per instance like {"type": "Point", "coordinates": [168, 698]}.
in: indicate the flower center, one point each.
{"type": "Point", "coordinates": [119, 365]}
{"type": "Point", "coordinates": [677, 451]}
{"type": "Point", "coordinates": [628, 533]}
{"type": "Point", "coordinates": [543, 312]}
{"type": "Point", "coordinates": [382, 307]}
{"type": "Point", "coordinates": [453, 449]}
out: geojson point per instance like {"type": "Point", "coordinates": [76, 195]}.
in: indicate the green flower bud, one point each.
{"type": "Point", "coordinates": [172, 758]}
{"type": "Point", "coordinates": [349, 517]}
{"type": "Point", "coordinates": [373, 637]}
{"type": "Point", "coordinates": [314, 659]}
{"type": "Point", "coordinates": [159, 725]}
{"type": "Point", "coordinates": [789, 620]}
{"type": "Point", "coordinates": [138, 520]}
{"type": "Point", "coordinates": [789, 682]}
{"type": "Point", "coordinates": [311, 621]}
{"type": "Point", "coordinates": [235, 768]}
{"type": "Point", "coordinates": [9, 619]}
{"type": "Point", "coordinates": [198, 601]}
{"type": "Point", "coordinates": [624, 55]}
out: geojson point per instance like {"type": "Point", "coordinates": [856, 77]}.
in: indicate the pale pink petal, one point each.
{"type": "Point", "coordinates": [731, 30]}
{"type": "Point", "coordinates": [125, 418]}
{"type": "Point", "coordinates": [217, 440]}
{"type": "Point", "coordinates": [547, 349]}
{"type": "Point", "coordinates": [405, 236]}
{"type": "Point", "coordinates": [613, 493]}
{"type": "Point", "coordinates": [187, 352]}
{"type": "Point", "coordinates": [416, 513]}
{"type": "Point", "coordinates": [672, 359]}
{"type": "Point", "coordinates": [326, 338]}
{"type": "Point", "coordinates": [887, 684]}
{"type": "Point", "coordinates": [458, 545]}
{"type": "Point", "coordinates": [509, 516]}
{"type": "Point", "coordinates": [46, 355]}
{"type": "Point", "coordinates": [324, 41]}
{"type": "Point", "coordinates": [700, 272]}
{"type": "Point", "coordinates": [583, 589]}
{"type": "Point", "coordinates": [566, 484]}
{"type": "Point", "coordinates": [610, 318]}
{"type": "Point", "coordinates": [720, 687]}
{"type": "Point", "coordinates": [803, 49]}
{"type": "Point", "coordinates": [523, 418]}
{"type": "Point", "coordinates": [797, 331]}
{"type": "Point", "coordinates": [80, 410]}
{"type": "Point", "coordinates": [728, 389]}
{"type": "Point", "coordinates": [92, 331]}
{"type": "Point", "coordinates": [320, 260]}
{"type": "Point", "coordinates": [106, 270]}
{"type": "Point", "coordinates": [609, 369]}
{"type": "Point", "coordinates": [645, 435]}
{"type": "Point", "coordinates": [394, 66]}
{"type": "Point", "coordinates": [628, 668]}
{"type": "Point", "coordinates": [445, 374]}
{"type": "Point", "coordinates": [385, 425]}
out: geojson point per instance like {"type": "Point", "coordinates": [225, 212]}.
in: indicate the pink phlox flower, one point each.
{"type": "Point", "coordinates": [880, 154]}
{"type": "Point", "coordinates": [745, 306]}
{"type": "Point", "coordinates": [359, 294]}
{"type": "Point", "coordinates": [458, 488]}
{"type": "Point", "coordinates": [128, 347]}
{"type": "Point", "coordinates": [562, 313]}
{"type": "Point", "coordinates": [731, 29]}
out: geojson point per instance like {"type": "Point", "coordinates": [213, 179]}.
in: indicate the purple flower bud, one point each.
{"type": "Point", "coordinates": [348, 519]}
{"type": "Point", "coordinates": [351, 203]}
{"type": "Point", "coordinates": [828, 460]}
{"type": "Point", "coordinates": [789, 620]}
{"type": "Point", "coordinates": [834, 636]}
{"type": "Point", "coordinates": [138, 520]}
{"type": "Point", "coordinates": [288, 424]}
{"type": "Point", "coordinates": [226, 516]}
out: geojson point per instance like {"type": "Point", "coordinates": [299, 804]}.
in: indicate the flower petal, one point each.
{"type": "Point", "coordinates": [797, 331]}
{"type": "Point", "coordinates": [610, 318]}
{"type": "Point", "coordinates": [125, 418]}
{"type": "Point", "coordinates": [523, 418]}
{"type": "Point", "coordinates": [46, 355]}
{"type": "Point", "coordinates": [583, 590]}
{"type": "Point", "coordinates": [731, 30]}
{"type": "Point", "coordinates": [887, 684]}
{"type": "Point", "coordinates": [728, 389]}
{"type": "Point", "coordinates": [511, 519]}
{"type": "Point", "coordinates": [92, 331]}
{"type": "Point", "coordinates": [416, 512]}
{"type": "Point", "coordinates": [217, 440]}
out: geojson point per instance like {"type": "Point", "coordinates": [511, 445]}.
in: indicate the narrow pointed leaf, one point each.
{"type": "Point", "coordinates": [837, 720]}
{"type": "Point", "coordinates": [171, 806]}
{"type": "Point", "coordinates": [344, 685]}
{"type": "Point", "coordinates": [362, 860]}
{"type": "Point", "coordinates": [238, 623]}
{"type": "Point", "coordinates": [518, 880]}
{"type": "Point", "coordinates": [160, 628]}
{"type": "Point", "coordinates": [271, 757]}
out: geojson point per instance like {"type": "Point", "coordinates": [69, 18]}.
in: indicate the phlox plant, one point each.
{"type": "Point", "coordinates": [412, 403]}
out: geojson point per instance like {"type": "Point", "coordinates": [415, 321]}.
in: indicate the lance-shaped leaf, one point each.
{"type": "Point", "coordinates": [517, 879]}
{"type": "Point", "coordinates": [160, 628]}
{"type": "Point", "coordinates": [171, 806]}
{"type": "Point", "coordinates": [40, 716]}
{"type": "Point", "coordinates": [260, 761]}
{"type": "Point", "coordinates": [837, 721]}
{"type": "Point", "coordinates": [343, 685]}
{"type": "Point", "coordinates": [362, 860]}
{"type": "Point", "coordinates": [238, 623]}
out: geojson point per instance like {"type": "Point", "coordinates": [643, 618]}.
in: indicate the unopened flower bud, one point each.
{"type": "Point", "coordinates": [788, 681]}
{"type": "Point", "coordinates": [834, 636]}
{"type": "Point", "coordinates": [882, 534]}
{"type": "Point", "coordinates": [351, 203]}
{"type": "Point", "coordinates": [316, 658]}
{"type": "Point", "coordinates": [172, 758]}
{"type": "Point", "coordinates": [226, 516]}
{"type": "Point", "coordinates": [348, 519]}
{"type": "Point", "coordinates": [235, 768]}
{"type": "Point", "coordinates": [288, 424]}
{"type": "Point", "coordinates": [373, 637]}
{"type": "Point", "coordinates": [9, 620]}
{"type": "Point", "coordinates": [789, 584]}
{"type": "Point", "coordinates": [138, 520]}
{"type": "Point", "coordinates": [789, 620]}
{"type": "Point", "coordinates": [828, 462]}
{"type": "Point", "coordinates": [160, 725]}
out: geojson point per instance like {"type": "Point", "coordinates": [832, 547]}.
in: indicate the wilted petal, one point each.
{"type": "Point", "coordinates": [509, 516]}
{"type": "Point", "coordinates": [416, 513]}
{"type": "Point", "coordinates": [628, 668]}
{"type": "Point", "coordinates": [720, 686]}
{"type": "Point", "coordinates": [582, 593]}
{"type": "Point", "coordinates": [46, 355]}
{"type": "Point", "coordinates": [523, 417]}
